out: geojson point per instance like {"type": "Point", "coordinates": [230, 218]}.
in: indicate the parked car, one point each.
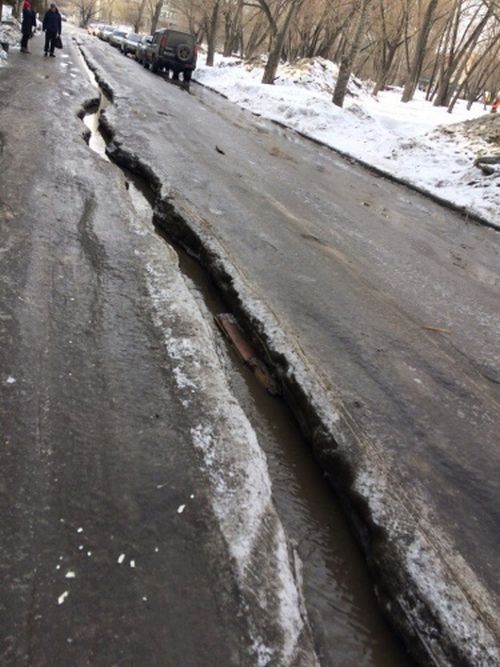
{"type": "Point", "coordinates": [173, 50]}
{"type": "Point", "coordinates": [140, 49]}
{"type": "Point", "coordinates": [106, 31]}
{"type": "Point", "coordinates": [129, 43]}
{"type": "Point", "coordinates": [116, 38]}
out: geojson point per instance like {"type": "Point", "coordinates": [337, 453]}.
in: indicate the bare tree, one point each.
{"type": "Point", "coordinates": [390, 34]}
{"type": "Point", "coordinates": [87, 10]}
{"type": "Point", "coordinates": [347, 61]}
{"type": "Point", "coordinates": [211, 25]}
{"type": "Point", "coordinates": [419, 55]}
{"type": "Point", "coordinates": [155, 9]}
{"type": "Point", "coordinates": [462, 37]}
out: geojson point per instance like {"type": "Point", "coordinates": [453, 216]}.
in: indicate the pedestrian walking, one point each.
{"type": "Point", "coordinates": [28, 25]}
{"type": "Point", "coordinates": [52, 26]}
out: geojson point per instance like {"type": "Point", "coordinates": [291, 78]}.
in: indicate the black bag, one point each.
{"type": "Point", "coordinates": [58, 42]}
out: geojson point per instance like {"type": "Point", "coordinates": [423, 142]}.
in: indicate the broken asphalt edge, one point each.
{"type": "Point", "coordinates": [268, 576]}
{"type": "Point", "coordinates": [426, 590]}
{"type": "Point", "coordinates": [468, 214]}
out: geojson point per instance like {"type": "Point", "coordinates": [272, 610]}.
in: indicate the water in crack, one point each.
{"type": "Point", "coordinates": [96, 140]}
{"type": "Point", "coordinates": [140, 194]}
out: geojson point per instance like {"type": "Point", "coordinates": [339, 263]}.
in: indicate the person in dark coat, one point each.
{"type": "Point", "coordinates": [28, 25]}
{"type": "Point", "coordinates": [52, 26]}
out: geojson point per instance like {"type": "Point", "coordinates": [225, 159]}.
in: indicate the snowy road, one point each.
{"type": "Point", "coordinates": [381, 311]}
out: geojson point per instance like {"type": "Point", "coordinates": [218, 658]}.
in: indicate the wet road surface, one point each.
{"type": "Point", "coordinates": [125, 540]}
{"type": "Point", "coordinates": [347, 626]}
{"type": "Point", "coordinates": [392, 301]}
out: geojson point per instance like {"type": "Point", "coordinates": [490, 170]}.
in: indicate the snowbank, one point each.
{"type": "Point", "coordinates": [404, 140]}
{"type": "Point", "coordinates": [10, 33]}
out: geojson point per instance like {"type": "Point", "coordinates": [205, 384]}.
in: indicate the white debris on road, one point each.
{"type": "Point", "coordinates": [121, 558]}
{"type": "Point", "coordinates": [62, 597]}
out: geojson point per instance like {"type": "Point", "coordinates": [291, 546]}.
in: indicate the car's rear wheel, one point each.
{"type": "Point", "coordinates": [184, 52]}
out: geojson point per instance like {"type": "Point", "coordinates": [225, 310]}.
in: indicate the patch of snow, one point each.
{"type": "Point", "coordinates": [183, 382]}
{"type": "Point", "coordinates": [263, 653]}
{"type": "Point", "coordinates": [404, 140]}
{"type": "Point", "coordinates": [10, 33]}
{"type": "Point", "coordinates": [181, 509]}
{"type": "Point", "coordinates": [70, 575]}
{"type": "Point", "coordinates": [121, 558]}
{"type": "Point", "coordinates": [62, 597]}
{"type": "Point", "coordinates": [445, 598]}
{"type": "Point", "coordinates": [10, 380]}
{"type": "Point", "coordinates": [132, 563]}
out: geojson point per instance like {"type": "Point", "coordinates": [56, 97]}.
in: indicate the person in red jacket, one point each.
{"type": "Point", "coordinates": [27, 26]}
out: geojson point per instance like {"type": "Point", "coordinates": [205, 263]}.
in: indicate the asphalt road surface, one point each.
{"type": "Point", "coordinates": [137, 525]}
{"type": "Point", "coordinates": [391, 300]}
{"type": "Point", "coordinates": [137, 520]}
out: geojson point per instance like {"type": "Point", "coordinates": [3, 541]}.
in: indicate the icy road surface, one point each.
{"type": "Point", "coordinates": [136, 520]}
{"type": "Point", "coordinates": [384, 309]}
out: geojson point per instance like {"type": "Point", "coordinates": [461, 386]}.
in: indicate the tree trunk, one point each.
{"type": "Point", "coordinates": [348, 59]}
{"type": "Point", "coordinates": [212, 34]}
{"type": "Point", "coordinates": [385, 70]}
{"type": "Point", "coordinates": [274, 57]}
{"type": "Point", "coordinates": [156, 16]}
{"type": "Point", "coordinates": [455, 98]}
{"type": "Point", "coordinates": [140, 14]}
{"type": "Point", "coordinates": [232, 22]}
{"type": "Point", "coordinates": [418, 57]}
{"type": "Point", "coordinates": [457, 61]}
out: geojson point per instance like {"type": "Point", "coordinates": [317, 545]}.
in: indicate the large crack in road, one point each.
{"type": "Point", "coordinates": [420, 573]}
{"type": "Point", "coordinates": [345, 621]}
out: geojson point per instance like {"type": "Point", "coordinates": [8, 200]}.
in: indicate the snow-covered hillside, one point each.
{"type": "Point", "coordinates": [405, 140]}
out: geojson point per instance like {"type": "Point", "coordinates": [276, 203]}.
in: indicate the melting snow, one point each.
{"type": "Point", "coordinates": [62, 597]}
{"type": "Point", "coordinates": [181, 509]}
{"type": "Point", "coordinates": [121, 558]}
